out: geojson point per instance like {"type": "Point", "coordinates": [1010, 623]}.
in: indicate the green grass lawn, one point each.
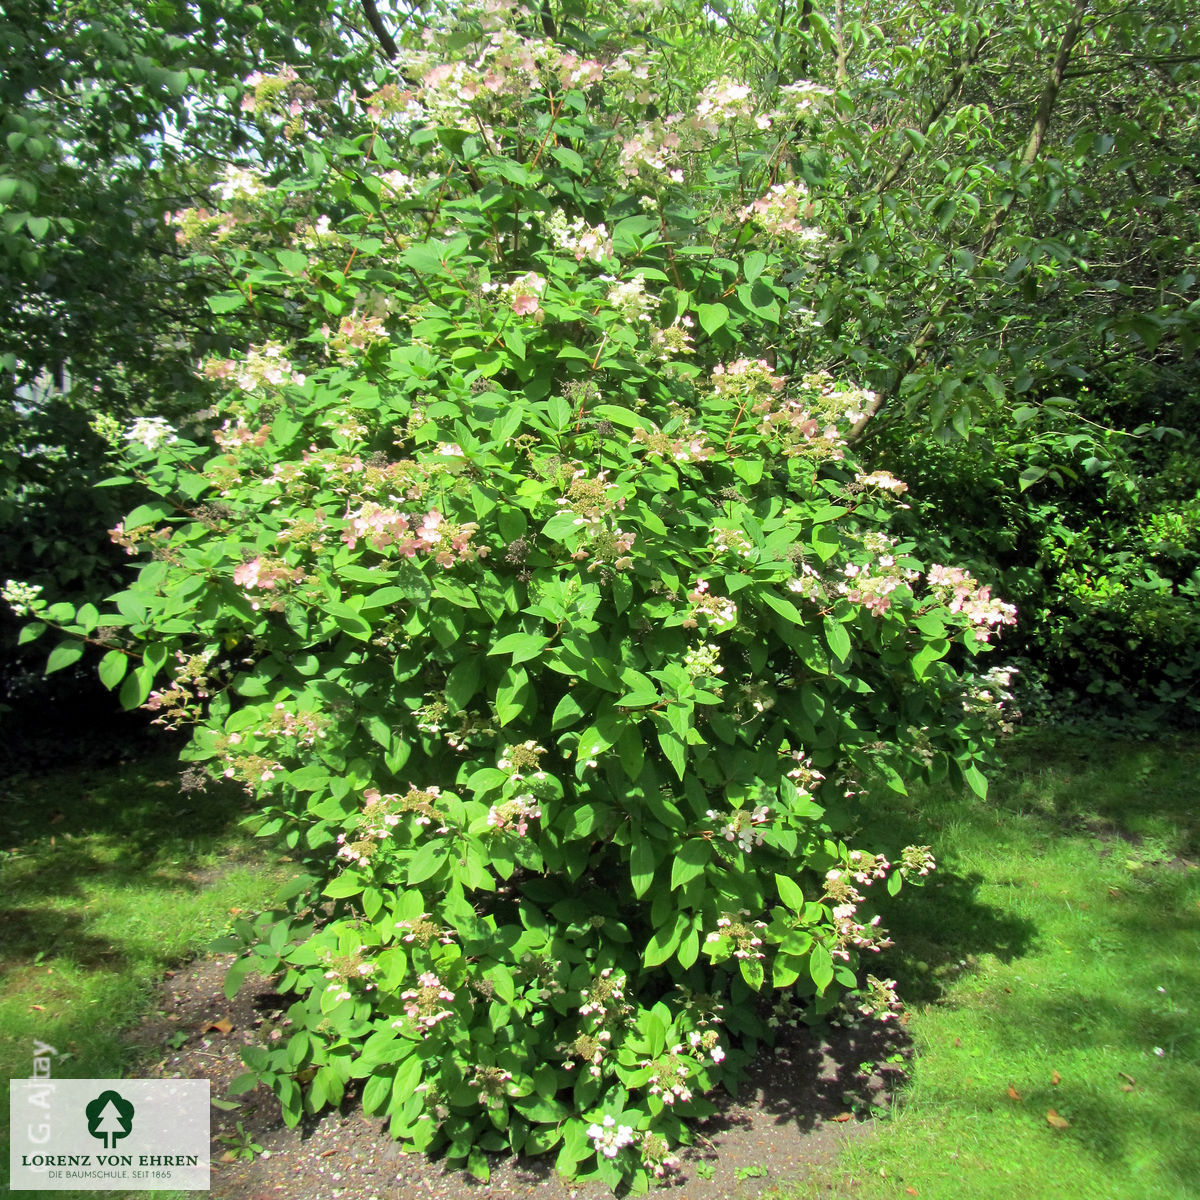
{"type": "Point", "coordinates": [1057, 955]}
{"type": "Point", "coordinates": [106, 878]}
{"type": "Point", "coordinates": [1056, 952]}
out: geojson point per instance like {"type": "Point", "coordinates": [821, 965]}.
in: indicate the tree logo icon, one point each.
{"type": "Point", "coordinates": [109, 1117]}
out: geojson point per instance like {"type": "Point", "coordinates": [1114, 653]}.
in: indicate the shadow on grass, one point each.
{"type": "Point", "coordinates": [1135, 791]}
{"type": "Point", "coordinates": [69, 839]}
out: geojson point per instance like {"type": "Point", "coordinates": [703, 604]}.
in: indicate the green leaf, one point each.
{"type": "Point", "coordinates": [837, 639]}
{"type": "Point", "coordinates": [63, 655]}
{"type": "Point", "coordinates": [238, 971]}
{"type": "Point", "coordinates": [522, 646]}
{"type": "Point", "coordinates": [665, 939]}
{"type": "Point", "coordinates": [348, 621]}
{"type": "Point", "coordinates": [513, 694]}
{"type": "Point", "coordinates": [642, 691]}
{"type": "Point", "coordinates": [113, 667]}
{"type": "Point", "coordinates": [694, 855]}
{"type": "Point", "coordinates": [976, 780]}
{"type": "Point", "coordinates": [642, 862]}
{"type": "Point", "coordinates": [349, 883]}
{"type": "Point", "coordinates": [31, 632]}
{"type": "Point", "coordinates": [712, 317]}
{"type": "Point", "coordinates": [226, 302]}
{"type": "Point", "coordinates": [790, 893]}
{"type": "Point", "coordinates": [820, 967]}
{"type": "Point", "coordinates": [753, 264]}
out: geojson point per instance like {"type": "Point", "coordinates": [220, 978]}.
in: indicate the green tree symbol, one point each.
{"type": "Point", "coordinates": [109, 1117]}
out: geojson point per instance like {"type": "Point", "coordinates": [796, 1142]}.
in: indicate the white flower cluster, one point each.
{"type": "Point", "coordinates": [611, 1138]}
{"type": "Point", "coordinates": [630, 298]}
{"type": "Point", "coordinates": [240, 183]}
{"type": "Point", "coordinates": [578, 237]}
{"type": "Point", "coordinates": [742, 826]}
{"type": "Point", "coordinates": [704, 659]}
{"type": "Point", "coordinates": [151, 432]}
{"type": "Point", "coordinates": [20, 596]}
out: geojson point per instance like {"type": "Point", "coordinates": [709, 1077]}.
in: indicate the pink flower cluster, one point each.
{"type": "Point", "coordinates": [514, 814]}
{"type": "Point", "coordinates": [655, 149]}
{"type": "Point", "coordinates": [783, 213]}
{"type": "Point", "coordinates": [267, 365]}
{"type": "Point", "coordinates": [960, 592]}
{"type": "Point", "coordinates": [262, 573]}
{"type": "Point", "coordinates": [431, 533]}
{"type": "Point", "coordinates": [355, 333]}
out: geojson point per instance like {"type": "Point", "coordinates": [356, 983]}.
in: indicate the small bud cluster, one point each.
{"type": "Point", "coordinates": [604, 1005]}
{"type": "Point", "coordinates": [872, 584]}
{"type": "Point", "coordinates": [491, 1084]}
{"type": "Point", "coordinates": [354, 334]}
{"type": "Point", "coordinates": [524, 295]}
{"type": "Point", "coordinates": [708, 1042]}
{"type": "Point", "coordinates": [423, 931]}
{"type": "Point", "coordinates": [883, 480]}
{"type": "Point", "coordinates": [630, 298]}
{"type": "Point", "coordinates": [880, 999]}
{"type": "Point", "coordinates": [916, 860]}
{"type": "Point", "coordinates": [523, 760]}
{"type": "Point", "coordinates": [425, 1005]}
{"type": "Point", "coordinates": [802, 773]}
{"type": "Point", "coordinates": [732, 541]}
{"type": "Point", "coordinates": [387, 528]}
{"type": "Point", "coordinates": [264, 573]}
{"type": "Point", "coordinates": [745, 377]}
{"type": "Point", "coordinates": [420, 803]}
{"type": "Point", "coordinates": [783, 213]}
{"type": "Point", "coordinates": [343, 970]}
{"type": "Point", "coordinates": [745, 936]}
{"type": "Point", "coordinates": [989, 696]}
{"type": "Point", "coordinates": [683, 447]}
{"type": "Point", "coordinates": [541, 971]}
{"type": "Point", "coordinates": [669, 1075]}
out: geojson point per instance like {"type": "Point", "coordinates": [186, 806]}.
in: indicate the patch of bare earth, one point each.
{"type": "Point", "coordinates": [801, 1101]}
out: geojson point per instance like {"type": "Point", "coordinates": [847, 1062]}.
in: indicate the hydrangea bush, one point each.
{"type": "Point", "coordinates": [547, 617]}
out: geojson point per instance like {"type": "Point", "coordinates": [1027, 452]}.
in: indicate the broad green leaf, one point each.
{"type": "Point", "coordinates": [712, 317]}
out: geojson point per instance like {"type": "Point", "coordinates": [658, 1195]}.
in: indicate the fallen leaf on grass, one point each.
{"type": "Point", "coordinates": [38, 1007]}
{"type": "Point", "coordinates": [1013, 1094]}
{"type": "Point", "coordinates": [221, 1025]}
{"type": "Point", "coordinates": [911, 1192]}
{"type": "Point", "coordinates": [1058, 1122]}
{"type": "Point", "coordinates": [1055, 1079]}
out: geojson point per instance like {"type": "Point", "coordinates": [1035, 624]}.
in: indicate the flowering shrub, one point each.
{"type": "Point", "coordinates": [539, 610]}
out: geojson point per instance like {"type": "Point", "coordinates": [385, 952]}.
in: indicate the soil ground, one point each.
{"type": "Point", "coordinates": [801, 1101]}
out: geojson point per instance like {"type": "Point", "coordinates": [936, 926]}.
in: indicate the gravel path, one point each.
{"type": "Point", "coordinates": [802, 1100]}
